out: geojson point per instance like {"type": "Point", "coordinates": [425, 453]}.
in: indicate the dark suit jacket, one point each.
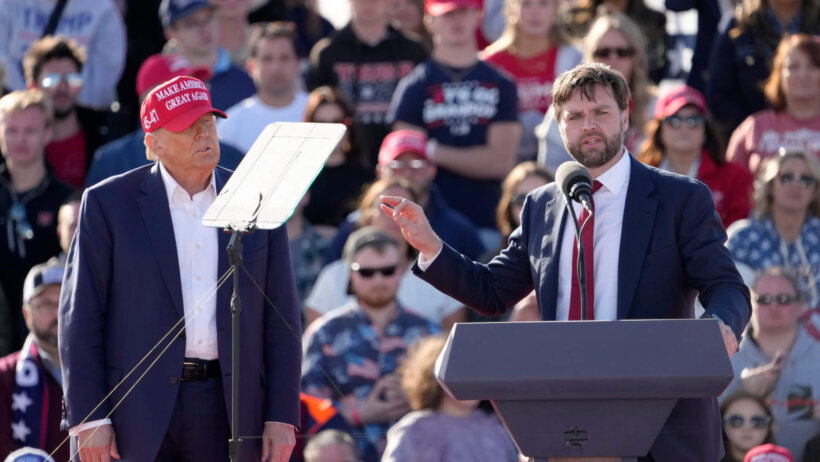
{"type": "Point", "coordinates": [671, 249]}
{"type": "Point", "coordinates": [122, 294]}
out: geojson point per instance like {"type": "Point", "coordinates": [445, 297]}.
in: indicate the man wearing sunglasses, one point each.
{"type": "Point", "coordinates": [352, 353]}
{"type": "Point", "coordinates": [30, 196]}
{"type": "Point", "coordinates": [54, 65]}
{"type": "Point", "coordinates": [779, 359]}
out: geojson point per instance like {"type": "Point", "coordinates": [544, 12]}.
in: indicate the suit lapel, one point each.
{"type": "Point", "coordinates": [636, 232]}
{"type": "Point", "coordinates": [554, 218]}
{"type": "Point", "coordinates": [155, 212]}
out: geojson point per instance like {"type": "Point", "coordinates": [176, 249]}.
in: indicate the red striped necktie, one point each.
{"type": "Point", "coordinates": [589, 260]}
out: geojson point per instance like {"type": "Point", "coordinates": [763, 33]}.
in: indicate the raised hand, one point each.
{"type": "Point", "coordinates": [413, 223]}
{"type": "Point", "coordinates": [761, 380]}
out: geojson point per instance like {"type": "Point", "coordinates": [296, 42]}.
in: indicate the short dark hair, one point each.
{"type": "Point", "coordinates": [362, 238]}
{"type": "Point", "coordinates": [585, 77]}
{"type": "Point", "coordinates": [272, 31]}
{"type": "Point", "coordinates": [48, 48]}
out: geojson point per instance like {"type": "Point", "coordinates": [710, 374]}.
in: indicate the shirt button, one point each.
{"type": "Point", "coordinates": [197, 278]}
{"type": "Point", "coordinates": [199, 342]}
{"type": "Point", "coordinates": [196, 245]}
{"type": "Point", "coordinates": [173, 380]}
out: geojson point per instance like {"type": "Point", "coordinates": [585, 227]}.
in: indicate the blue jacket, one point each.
{"type": "Point", "coordinates": [122, 293]}
{"type": "Point", "coordinates": [671, 250]}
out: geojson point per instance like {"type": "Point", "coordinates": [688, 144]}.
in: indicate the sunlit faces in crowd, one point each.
{"type": "Point", "coordinates": [747, 423]}
{"type": "Point", "coordinates": [40, 314]}
{"type": "Point", "coordinates": [24, 135]}
{"type": "Point", "coordinates": [684, 131]}
{"type": "Point", "coordinates": [455, 29]}
{"type": "Point", "coordinates": [196, 34]}
{"type": "Point", "coordinates": [275, 67]}
{"type": "Point", "coordinates": [800, 77]}
{"type": "Point", "coordinates": [61, 80]}
{"type": "Point", "coordinates": [375, 275]}
{"type": "Point", "coordinates": [795, 186]}
{"type": "Point", "coordinates": [534, 18]}
{"type": "Point", "coordinates": [777, 304]}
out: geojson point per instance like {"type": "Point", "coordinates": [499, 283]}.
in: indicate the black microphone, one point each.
{"type": "Point", "coordinates": [574, 180]}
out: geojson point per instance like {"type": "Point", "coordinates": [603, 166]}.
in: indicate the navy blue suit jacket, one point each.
{"type": "Point", "coordinates": [122, 294]}
{"type": "Point", "coordinates": [671, 250]}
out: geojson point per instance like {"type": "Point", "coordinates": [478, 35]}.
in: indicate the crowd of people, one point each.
{"type": "Point", "coordinates": [448, 104]}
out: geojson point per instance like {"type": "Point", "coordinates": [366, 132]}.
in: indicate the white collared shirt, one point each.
{"type": "Point", "coordinates": [610, 201]}
{"type": "Point", "coordinates": [197, 252]}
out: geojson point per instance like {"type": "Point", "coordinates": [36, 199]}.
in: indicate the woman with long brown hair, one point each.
{"type": "Point", "coordinates": [682, 139]}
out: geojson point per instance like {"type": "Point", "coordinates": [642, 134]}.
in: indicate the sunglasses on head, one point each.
{"type": "Point", "coordinates": [370, 272]}
{"type": "Point", "coordinates": [756, 421]}
{"type": "Point", "coordinates": [675, 121]}
{"type": "Point", "coordinates": [53, 79]}
{"type": "Point", "coordinates": [781, 299]}
{"type": "Point", "coordinates": [17, 215]}
{"type": "Point", "coordinates": [805, 181]}
{"type": "Point", "coordinates": [621, 52]}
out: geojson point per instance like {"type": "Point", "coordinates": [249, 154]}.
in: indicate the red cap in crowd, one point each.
{"type": "Point", "coordinates": [401, 141]}
{"type": "Point", "coordinates": [768, 453]}
{"type": "Point", "coordinates": [440, 7]}
{"type": "Point", "coordinates": [159, 68]}
{"type": "Point", "coordinates": [672, 100]}
{"type": "Point", "coordinates": [176, 104]}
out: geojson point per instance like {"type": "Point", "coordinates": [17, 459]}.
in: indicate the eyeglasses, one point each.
{"type": "Point", "coordinates": [53, 79]}
{"type": "Point", "coordinates": [756, 421]}
{"type": "Point", "coordinates": [805, 181]}
{"type": "Point", "coordinates": [370, 272]}
{"type": "Point", "coordinates": [781, 299]}
{"type": "Point", "coordinates": [690, 122]}
{"type": "Point", "coordinates": [621, 52]}
{"type": "Point", "coordinates": [518, 199]}
{"type": "Point", "coordinates": [415, 164]}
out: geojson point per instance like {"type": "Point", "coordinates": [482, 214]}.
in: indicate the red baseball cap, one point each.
{"type": "Point", "coordinates": [768, 453]}
{"type": "Point", "coordinates": [176, 104]}
{"type": "Point", "coordinates": [401, 141]}
{"type": "Point", "coordinates": [440, 7]}
{"type": "Point", "coordinates": [672, 100]}
{"type": "Point", "coordinates": [159, 68]}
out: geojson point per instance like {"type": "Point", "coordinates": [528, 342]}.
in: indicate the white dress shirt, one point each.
{"type": "Point", "coordinates": [197, 252]}
{"type": "Point", "coordinates": [610, 202]}
{"type": "Point", "coordinates": [197, 248]}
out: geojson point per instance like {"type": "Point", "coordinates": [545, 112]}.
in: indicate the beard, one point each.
{"type": "Point", "coordinates": [596, 157]}
{"type": "Point", "coordinates": [62, 114]}
{"type": "Point", "coordinates": [46, 336]}
{"type": "Point", "coordinates": [377, 297]}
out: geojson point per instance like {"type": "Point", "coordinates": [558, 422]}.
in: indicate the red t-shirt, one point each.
{"type": "Point", "coordinates": [762, 134]}
{"type": "Point", "coordinates": [533, 77]}
{"type": "Point", "coordinates": [67, 158]}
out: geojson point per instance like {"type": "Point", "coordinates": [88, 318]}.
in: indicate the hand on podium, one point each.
{"type": "Point", "coordinates": [98, 444]}
{"type": "Point", "coordinates": [729, 338]}
{"type": "Point", "coordinates": [414, 225]}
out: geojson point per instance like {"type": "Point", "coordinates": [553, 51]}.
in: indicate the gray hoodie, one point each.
{"type": "Point", "coordinates": [793, 398]}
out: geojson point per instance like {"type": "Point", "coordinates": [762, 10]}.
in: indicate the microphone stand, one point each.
{"type": "Point", "coordinates": [581, 263]}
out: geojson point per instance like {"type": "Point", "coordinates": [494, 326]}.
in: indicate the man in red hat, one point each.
{"type": "Point", "coordinates": [128, 152]}
{"type": "Point", "coordinates": [142, 266]}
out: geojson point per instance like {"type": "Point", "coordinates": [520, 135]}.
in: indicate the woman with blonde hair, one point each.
{"type": "Point", "coordinates": [441, 427]}
{"type": "Point", "coordinates": [533, 51]}
{"type": "Point", "coordinates": [785, 228]}
{"type": "Point", "coordinates": [614, 40]}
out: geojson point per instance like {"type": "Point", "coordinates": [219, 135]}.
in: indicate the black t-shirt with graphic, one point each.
{"type": "Point", "coordinates": [456, 107]}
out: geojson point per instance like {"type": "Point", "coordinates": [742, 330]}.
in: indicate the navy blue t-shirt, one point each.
{"type": "Point", "coordinates": [455, 107]}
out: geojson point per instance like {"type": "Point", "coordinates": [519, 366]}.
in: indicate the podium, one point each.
{"type": "Point", "coordinates": [585, 389]}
